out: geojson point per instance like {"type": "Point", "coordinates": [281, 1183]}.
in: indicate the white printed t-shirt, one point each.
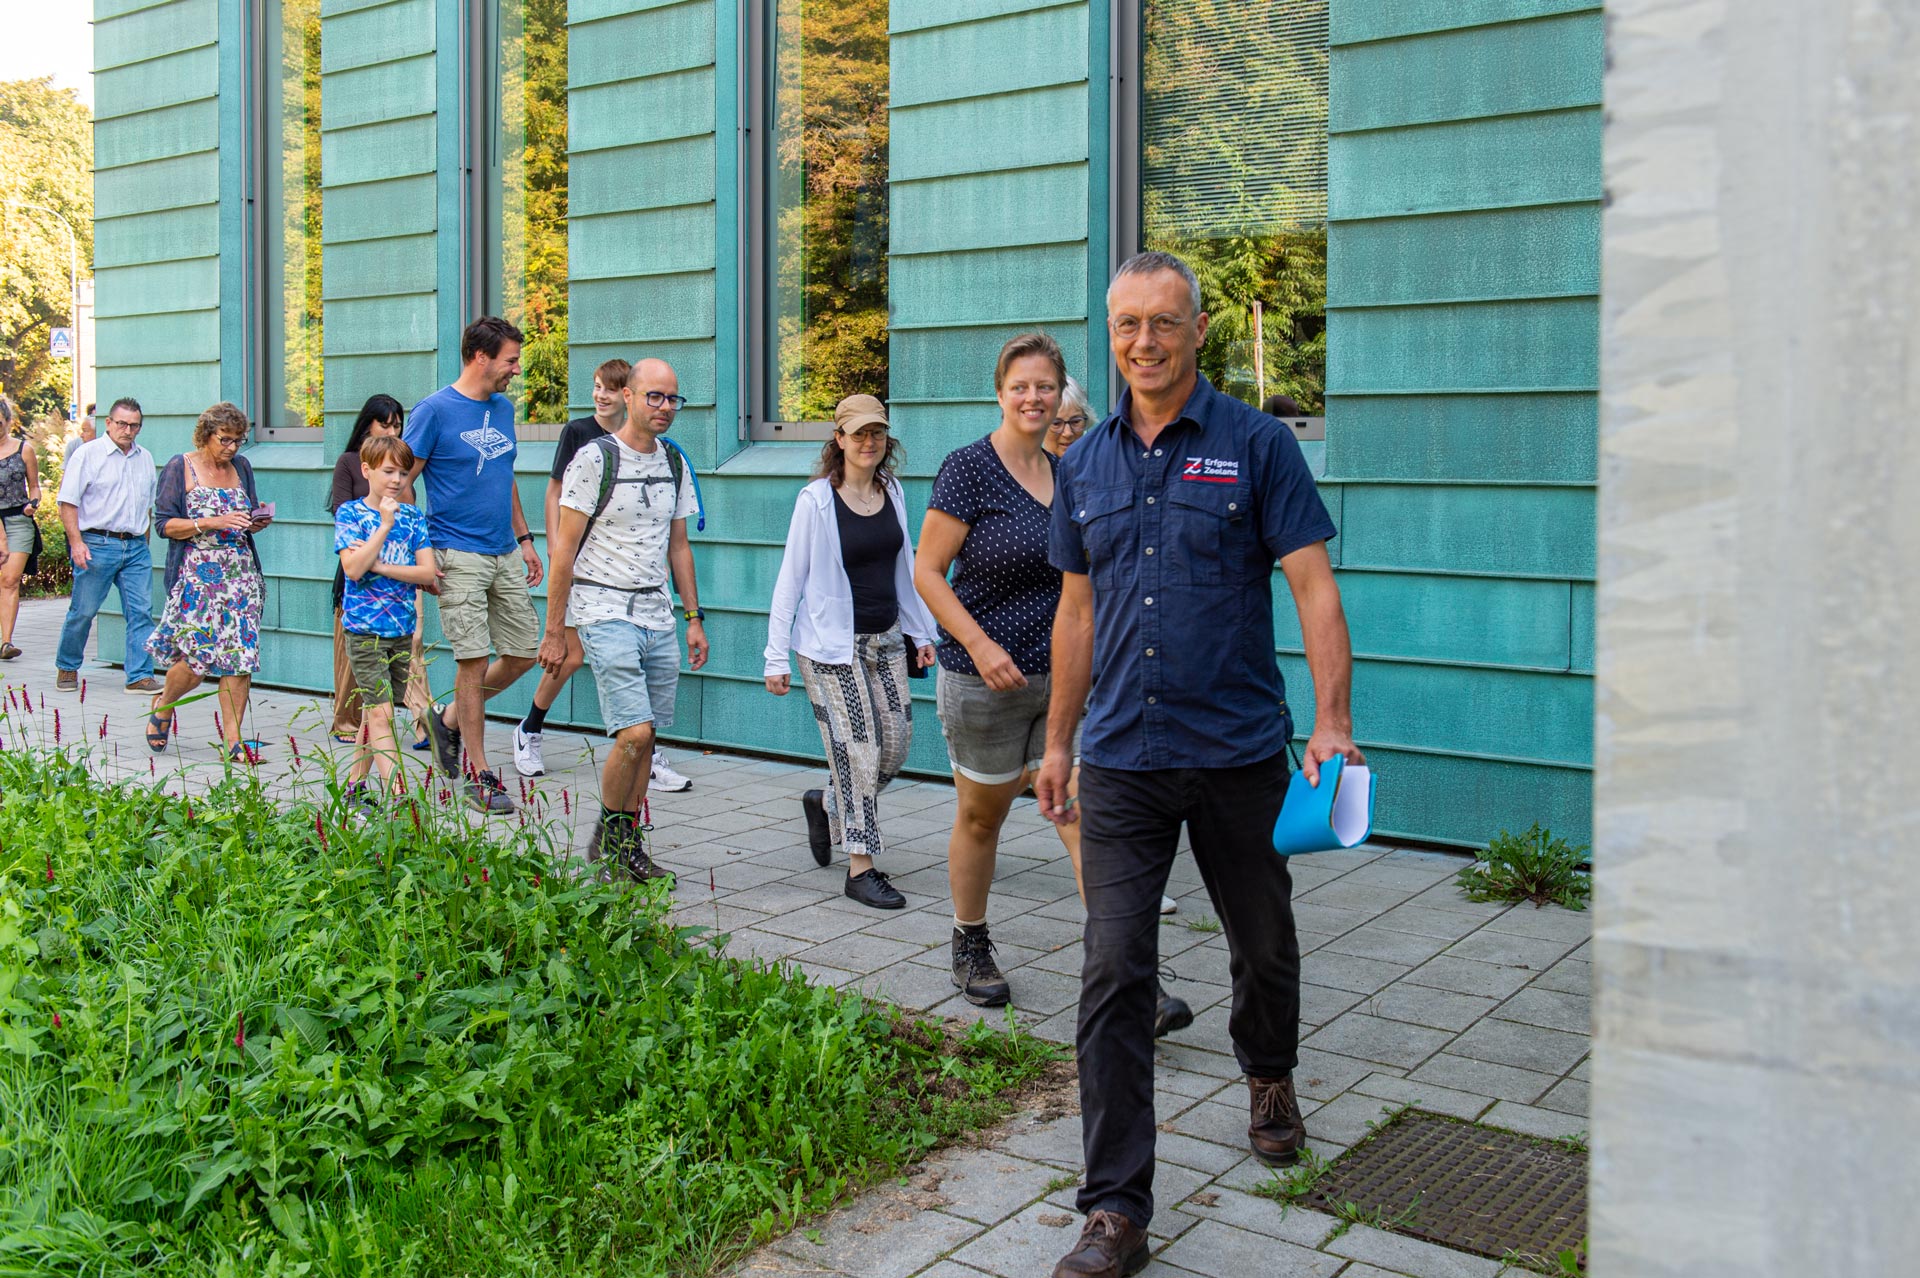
{"type": "Point", "coordinates": [626, 549]}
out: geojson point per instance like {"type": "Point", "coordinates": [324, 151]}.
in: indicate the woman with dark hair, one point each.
{"type": "Point", "coordinates": [19, 494]}
{"type": "Point", "coordinates": [381, 417]}
{"type": "Point", "coordinates": [208, 509]}
{"type": "Point", "coordinates": [844, 596]}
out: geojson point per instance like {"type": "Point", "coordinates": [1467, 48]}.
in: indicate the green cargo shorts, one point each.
{"type": "Point", "coordinates": [380, 666]}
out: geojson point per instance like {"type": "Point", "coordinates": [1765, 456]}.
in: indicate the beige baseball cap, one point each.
{"type": "Point", "coordinates": [855, 411]}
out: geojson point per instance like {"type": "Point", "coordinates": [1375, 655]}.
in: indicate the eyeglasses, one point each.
{"type": "Point", "coordinates": [656, 399]}
{"type": "Point", "coordinates": [123, 425]}
{"type": "Point", "coordinates": [232, 441]}
{"type": "Point", "coordinates": [866, 433]}
{"type": "Point", "coordinates": [1162, 325]}
{"type": "Point", "coordinates": [1076, 421]}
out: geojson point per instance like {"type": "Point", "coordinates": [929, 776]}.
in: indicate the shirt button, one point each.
{"type": "Point", "coordinates": [1233, 505]}
{"type": "Point", "coordinates": [1149, 652]}
{"type": "Point", "coordinates": [1149, 550]}
{"type": "Point", "coordinates": [1156, 452]}
{"type": "Point", "coordinates": [1083, 514]}
{"type": "Point", "coordinates": [1153, 701]}
{"type": "Point", "coordinates": [1148, 601]}
{"type": "Point", "coordinates": [1149, 501]}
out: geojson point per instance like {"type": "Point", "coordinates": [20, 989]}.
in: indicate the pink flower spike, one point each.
{"type": "Point", "coordinates": [83, 692]}
{"type": "Point", "coordinates": [56, 1020]}
{"type": "Point", "coordinates": [103, 727]}
{"type": "Point", "coordinates": [49, 867]}
{"type": "Point", "coordinates": [566, 803]}
{"type": "Point", "coordinates": [56, 725]}
{"type": "Point", "coordinates": [709, 878]}
{"type": "Point", "coordinates": [216, 724]}
{"type": "Point", "coordinates": [240, 1035]}
{"type": "Point", "coordinates": [484, 876]}
{"type": "Point", "coordinates": [151, 770]}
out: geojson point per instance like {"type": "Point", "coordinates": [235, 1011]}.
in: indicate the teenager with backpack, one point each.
{"type": "Point", "coordinates": [621, 533]}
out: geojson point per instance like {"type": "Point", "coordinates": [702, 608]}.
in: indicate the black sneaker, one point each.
{"type": "Point", "coordinates": [445, 742]}
{"type": "Point", "coordinates": [485, 794]}
{"type": "Point", "coordinates": [638, 865]}
{"type": "Point", "coordinates": [1170, 1012]}
{"type": "Point", "coordinates": [873, 889]}
{"type": "Point", "coordinates": [819, 833]}
{"type": "Point", "coordinates": [978, 977]}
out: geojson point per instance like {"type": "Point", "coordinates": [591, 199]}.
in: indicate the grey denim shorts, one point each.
{"type": "Point", "coordinates": [993, 737]}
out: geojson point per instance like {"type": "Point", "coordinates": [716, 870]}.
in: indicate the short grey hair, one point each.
{"type": "Point", "coordinates": [1153, 262]}
{"type": "Point", "coordinates": [1074, 396]}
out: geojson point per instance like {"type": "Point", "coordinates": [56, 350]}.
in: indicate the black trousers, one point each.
{"type": "Point", "coordinates": [1130, 825]}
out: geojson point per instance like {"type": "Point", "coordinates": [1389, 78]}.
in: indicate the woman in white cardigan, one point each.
{"type": "Point", "coordinates": [844, 597]}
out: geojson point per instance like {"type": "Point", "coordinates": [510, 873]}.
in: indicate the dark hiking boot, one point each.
{"type": "Point", "coordinates": [634, 859]}
{"type": "Point", "coordinates": [1276, 1131]}
{"type": "Point", "coordinates": [978, 977]}
{"type": "Point", "coordinates": [1170, 1012]}
{"type": "Point", "coordinates": [1110, 1246]}
{"type": "Point", "coordinates": [485, 794]}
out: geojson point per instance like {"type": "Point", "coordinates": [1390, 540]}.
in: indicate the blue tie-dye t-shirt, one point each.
{"type": "Point", "coordinates": [377, 604]}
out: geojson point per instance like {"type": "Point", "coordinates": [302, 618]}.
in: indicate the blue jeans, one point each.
{"type": "Point", "coordinates": [636, 670]}
{"type": "Point", "coordinates": [115, 563]}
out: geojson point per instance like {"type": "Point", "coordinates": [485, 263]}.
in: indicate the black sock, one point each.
{"type": "Point", "coordinates": [535, 720]}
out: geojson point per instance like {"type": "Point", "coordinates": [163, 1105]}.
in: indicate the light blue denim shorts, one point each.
{"type": "Point", "coordinates": [636, 670]}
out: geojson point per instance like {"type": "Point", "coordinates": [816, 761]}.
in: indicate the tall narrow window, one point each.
{"type": "Point", "coordinates": [818, 112]}
{"type": "Point", "coordinates": [290, 374]}
{"type": "Point", "coordinates": [519, 200]}
{"type": "Point", "coordinates": [1233, 178]}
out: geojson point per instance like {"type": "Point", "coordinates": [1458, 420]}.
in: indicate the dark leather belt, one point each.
{"type": "Point", "coordinates": [108, 532]}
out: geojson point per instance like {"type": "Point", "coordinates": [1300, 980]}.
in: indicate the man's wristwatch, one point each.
{"type": "Point", "coordinates": [696, 614]}
{"type": "Point", "coordinates": [525, 536]}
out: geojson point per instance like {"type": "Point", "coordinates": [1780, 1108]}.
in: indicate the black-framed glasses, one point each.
{"type": "Point", "coordinates": [867, 432]}
{"type": "Point", "coordinates": [657, 399]}
{"type": "Point", "coordinates": [124, 425]}
{"type": "Point", "coordinates": [235, 440]}
{"type": "Point", "coordinates": [1076, 421]}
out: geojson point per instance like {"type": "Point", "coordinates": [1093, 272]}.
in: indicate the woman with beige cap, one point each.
{"type": "Point", "coordinates": [844, 597]}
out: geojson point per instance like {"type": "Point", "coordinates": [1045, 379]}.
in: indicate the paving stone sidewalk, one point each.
{"type": "Point", "coordinates": [1410, 994]}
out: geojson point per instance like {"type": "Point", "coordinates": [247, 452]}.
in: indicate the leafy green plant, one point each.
{"type": "Point", "coordinates": [1534, 866]}
{"type": "Point", "coordinates": [1297, 1182]}
{"type": "Point", "coordinates": [1203, 923]}
{"type": "Point", "coordinates": [247, 1031]}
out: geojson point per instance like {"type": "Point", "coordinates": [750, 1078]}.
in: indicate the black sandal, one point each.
{"type": "Point", "coordinates": [159, 728]}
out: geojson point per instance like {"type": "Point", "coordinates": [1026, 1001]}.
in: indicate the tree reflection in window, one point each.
{"type": "Point", "coordinates": [827, 291]}
{"type": "Point", "coordinates": [1234, 179]}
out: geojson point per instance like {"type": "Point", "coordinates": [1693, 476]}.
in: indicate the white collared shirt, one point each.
{"type": "Point", "coordinates": [110, 490]}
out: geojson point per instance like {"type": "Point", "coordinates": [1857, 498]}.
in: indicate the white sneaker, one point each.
{"type": "Point", "coordinates": [665, 779]}
{"type": "Point", "coordinates": [526, 753]}
{"type": "Point", "coordinates": [1168, 905]}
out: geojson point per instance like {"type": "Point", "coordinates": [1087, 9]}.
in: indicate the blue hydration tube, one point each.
{"type": "Point", "coordinates": [699, 503]}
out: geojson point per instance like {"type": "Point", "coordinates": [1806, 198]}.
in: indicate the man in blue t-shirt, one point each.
{"type": "Point", "coordinates": [1167, 521]}
{"type": "Point", "coordinates": [464, 448]}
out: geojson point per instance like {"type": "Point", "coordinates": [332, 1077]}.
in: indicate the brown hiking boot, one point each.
{"type": "Point", "coordinates": [1110, 1246]}
{"type": "Point", "coordinates": [1276, 1132]}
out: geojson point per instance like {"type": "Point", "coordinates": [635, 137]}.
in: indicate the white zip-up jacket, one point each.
{"type": "Point", "coordinates": [812, 610]}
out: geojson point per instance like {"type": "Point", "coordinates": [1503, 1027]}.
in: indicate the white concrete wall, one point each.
{"type": "Point", "coordinates": [1756, 1077]}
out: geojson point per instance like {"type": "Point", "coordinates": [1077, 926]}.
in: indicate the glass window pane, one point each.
{"type": "Point", "coordinates": [529, 213]}
{"type": "Point", "coordinates": [291, 265]}
{"type": "Point", "coordinates": [1233, 176]}
{"type": "Point", "coordinates": [826, 291]}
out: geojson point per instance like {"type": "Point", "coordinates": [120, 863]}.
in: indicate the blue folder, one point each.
{"type": "Point", "coordinates": [1338, 813]}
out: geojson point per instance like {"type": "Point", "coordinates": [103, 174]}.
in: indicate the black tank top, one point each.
{"type": "Point", "coordinates": [870, 547]}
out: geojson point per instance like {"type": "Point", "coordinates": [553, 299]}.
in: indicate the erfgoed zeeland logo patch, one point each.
{"type": "Point", "coordinates": [1212, 470]}
{"type": "Point", "coordinates": [486, 441]}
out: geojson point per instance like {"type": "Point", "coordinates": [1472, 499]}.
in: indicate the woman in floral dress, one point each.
{"type": "Point", "coordinates": [208, 510]}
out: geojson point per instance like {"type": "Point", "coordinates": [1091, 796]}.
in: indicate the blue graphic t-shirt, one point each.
{"type": "Point", "coordinates": [469, 447]}
{"type": "Point", "coordinates": [378, 604]}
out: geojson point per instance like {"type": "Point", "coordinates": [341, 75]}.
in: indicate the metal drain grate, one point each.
{"type": "Point", "coordinates": [1474, 1188]}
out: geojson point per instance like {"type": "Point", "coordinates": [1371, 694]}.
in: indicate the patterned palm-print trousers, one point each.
{"type": "Point", "coordinates": [866, 722]}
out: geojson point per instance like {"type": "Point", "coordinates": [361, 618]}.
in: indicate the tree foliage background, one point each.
{"type": "Point", "coordinates": [1234, 173]}
{"type": "Point", "coordinates": [534, 248]}
{"type": "Point", "coordinates": [46, 157]}
{"type": "Point", "coordinates": [829, 294]}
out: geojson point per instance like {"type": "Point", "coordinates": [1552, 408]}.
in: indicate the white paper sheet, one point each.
{"type": "Point", "coordinates": [1352, 805]}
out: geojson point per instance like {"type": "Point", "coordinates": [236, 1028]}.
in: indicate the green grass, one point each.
{"type": "Point", "coordinates": [242, 1034]}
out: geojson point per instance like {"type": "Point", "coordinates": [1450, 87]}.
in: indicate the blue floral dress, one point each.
{"type": "Point", "coordinates": [212, 621]}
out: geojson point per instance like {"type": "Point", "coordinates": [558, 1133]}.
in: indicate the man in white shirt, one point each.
{"type": "Point", "coordinates": [621, 533]}
{"type": "Point", "coordinates": [106, 506]}
{"type": "Point", "coordinates": [86, 436]}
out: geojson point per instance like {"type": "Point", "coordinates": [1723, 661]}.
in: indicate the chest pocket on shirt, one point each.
{"type": "Point", "coordinates": [1209, 527]}
{"type": "Point", "coordinates": [1107, 523]}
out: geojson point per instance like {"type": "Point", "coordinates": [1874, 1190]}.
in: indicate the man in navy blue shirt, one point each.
{"type": "Point", "coordinates": [1167, 521]}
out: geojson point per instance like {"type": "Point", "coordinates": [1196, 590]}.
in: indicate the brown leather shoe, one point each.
{"type": "Point", "coordinates": [1276, 1132]}
{"type": "Point", "coordinates": [1110, 1246]}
